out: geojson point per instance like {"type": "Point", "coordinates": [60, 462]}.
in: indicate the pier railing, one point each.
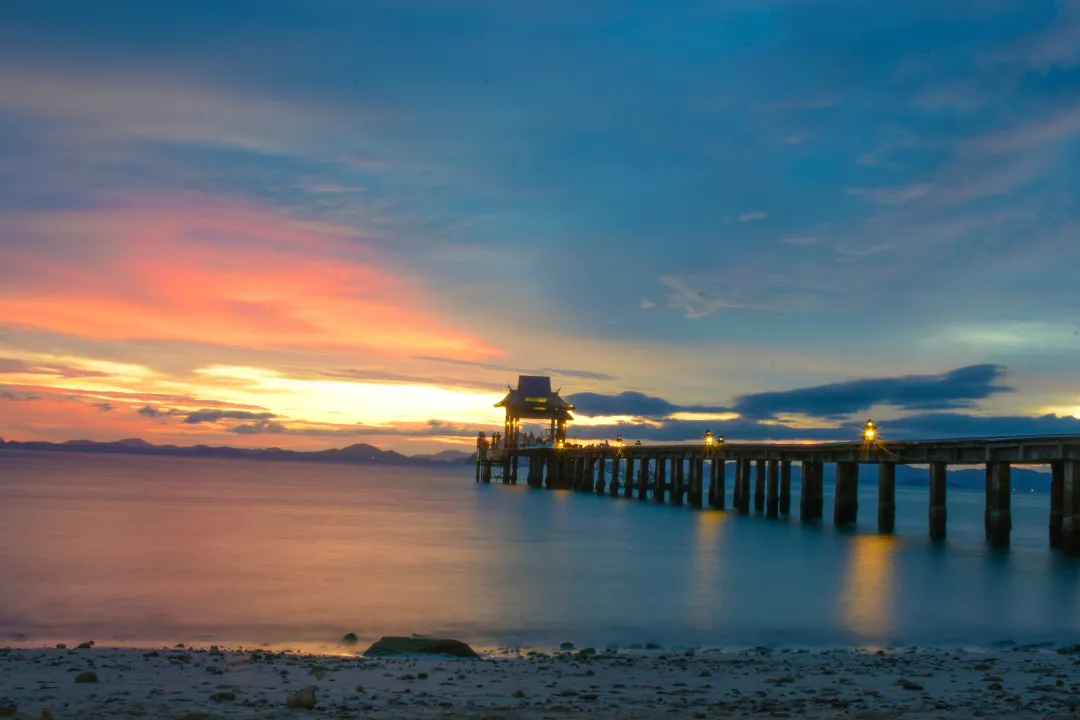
{"type": "Point", "coordinates": [697, 475]}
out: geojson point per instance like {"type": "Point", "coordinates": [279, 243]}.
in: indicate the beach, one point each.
{"type": "Point", "coordinates": [233, 684]}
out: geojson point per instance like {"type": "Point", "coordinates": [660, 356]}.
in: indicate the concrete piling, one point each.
{"type": "Point", "coordinates": [938, 514]}
{"type": "Point", "coordinates": [846, 497]}
{"type": "Point", "coordinates": [785, 487]}
{"type": "Point", "coordinates": [717, 481]}
{"type": "Point", "coordinates": [772, 489]}
{"type": "Point", "coordinates": [1070, 508]}
{"type": "Point", "coordinates": [998, 505]}
{"type": "Point", "coordinates": [886, 507]}
{"type": "Point", "coordinates": [759, 486]}
{"type": "Point", "coordinates": [1057, 498]}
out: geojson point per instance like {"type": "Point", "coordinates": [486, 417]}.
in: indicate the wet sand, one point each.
{"type": "Point", "coordinates": [235, 683]}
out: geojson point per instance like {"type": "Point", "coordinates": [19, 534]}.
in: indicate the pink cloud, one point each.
{"type": "Point", "coordinates": [207, 273]}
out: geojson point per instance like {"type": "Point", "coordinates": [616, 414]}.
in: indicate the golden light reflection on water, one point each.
{"type": "Point", "coordinates": [867, 602]}
{"type": "Point", "coordinates": [707, 555]}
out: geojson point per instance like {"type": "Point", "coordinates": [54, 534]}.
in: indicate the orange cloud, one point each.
{"type": "Point", "coordinates": [213, 274]}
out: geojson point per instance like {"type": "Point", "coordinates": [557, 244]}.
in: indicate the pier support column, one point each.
{"type": "Point", "coordinates": [628, 485]}
{"type": "Point", "coordinates": [1057, 501]}
{"type": "Point", "coordinates": [660, 480]}
{"type": "Point", "coordinates": [514, 462]}
{"type": "Point", "coordinates": [1070, 508]}
{"type": "Point", "coordinates": [998, 504]}
{"type": "Point", "coordinates": [601, 475]}
{"type": "Point", "coordinates": [772, 490]}
{"type": "Point", "coordinates": [613, 487]}
{"type": "Point", "coordinates": [717, 481]}
{"type": "Point", "coordinates": [806, 492]}
{"type": "Point", "coordinates": [643, 479]}
{"type": "Point", "coordinates": [742, 481]}
{"type": "Point", "coordinates": [937, 500]}
{"type": "Point", "coordinates": [819, 490]}
{"type": "Point", "coordinates": [886, 497]}
{"type": "Point", "coordinates": [678, 486]}
{"type": "Point", "coordinates": [697, 480]}
{"type": "Point", "coordinates": [785, 487]}
{"type": "Point", "coordinates": [736, 490]}
{"type": "Point", "coordinates": [759, 486]}
{"type": "Point", "coordinates": [846, 498]}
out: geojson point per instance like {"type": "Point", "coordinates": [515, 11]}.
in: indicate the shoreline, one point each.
{"type": "Point", "coordinates": [234, 684]}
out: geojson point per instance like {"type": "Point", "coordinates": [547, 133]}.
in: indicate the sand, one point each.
{"type": "Point", "coordinates": [235, 683]}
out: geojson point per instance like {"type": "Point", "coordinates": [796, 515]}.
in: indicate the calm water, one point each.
{"type": "Point", "coordinates": [130, 550]}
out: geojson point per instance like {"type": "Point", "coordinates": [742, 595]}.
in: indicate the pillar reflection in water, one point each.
{"type": "Point", "coordinates": [868, 591]}
{"type": "Point", "coordinates": [705, 573]}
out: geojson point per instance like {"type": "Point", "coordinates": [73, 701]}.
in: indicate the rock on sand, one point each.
{"type": "Point", "coordinates": [415, 644]}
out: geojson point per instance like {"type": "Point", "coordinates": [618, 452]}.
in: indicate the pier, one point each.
{"type": "Point", "coordinates": [761, 473]}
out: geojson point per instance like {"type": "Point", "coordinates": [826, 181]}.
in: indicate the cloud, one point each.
{"type": "Point", "coordinates": [693, 302]}
{"type": "Point", "coordinates": [105, 407]}
{"type": "Point", "coordinates": [800, 240]}
{"type": "Point", "coordinates": [260, 427]}
{"type": "Point", "coordinates": [201, 272]}
{"type": "Point", "coordinates": [1044, 129]}
{"type": "Point", "coordinates": [213, 416]}
{"type": "Point", "coordinates": [96, 109]}
{"type": "Point", "coordinates": [15, 366]}
{"type": "Point", "coordinates": [634, 404]}
{"type": "Point", "coordinates": [153, 411]}
{"type": "Point", "coordinates": [774, 288]}
{"type": "Point", "coordinates": [896, 195]}
{"type": "Point", "coordinates": [564, 372]}
{"type": "Point", "coordinates": [646, 304]}
{"type": "Point", "coordinates": [959, 388]}
{"type": "Point", "coordinates": [751, 216]}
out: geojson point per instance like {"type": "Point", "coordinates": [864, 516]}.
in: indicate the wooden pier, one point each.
{"type": "Point", "coordinates": [697, 474]}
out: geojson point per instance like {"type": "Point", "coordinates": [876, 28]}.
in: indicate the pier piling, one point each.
{"type": "Point", "coordinates": [660, 479]}
{"type": "Point", "coordinates": [697, 472]}
{"type": "Point", "coordinates": [717, 481]}
{"type": "Point", "coordinates": [785, 487]}
{"type": "Point", "coordinates": [999, 504]}
{"type": "Point", "coordinates": [759, 486]}
{"type": "Point", "coordinates": [742, 480]}
{"type": "Point", "coordinates": [886, 503]}
{"type": "Point", "coordinates": [1070, 508]}
{"type": "Point", "coordinates": [846, 498]}
{"type": "Point", "coordinates": [1057, 497]}
{"type": "Point", "coordinates": [677, 485]}
{"type": "Point", "coordinates": [601, 475]}
{"type": "Point", "coordinates": [628, 484]}
{"type": "Point", "coordinates": [772, 489]}
{"type": "Point", "coordinates": [938, 514]}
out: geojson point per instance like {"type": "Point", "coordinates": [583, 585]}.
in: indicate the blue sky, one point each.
{"type": "Point", "coordinates": [697, 202]}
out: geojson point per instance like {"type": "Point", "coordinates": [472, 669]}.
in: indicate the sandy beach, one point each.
{"type": "Point", "coordinates": [211, 683]}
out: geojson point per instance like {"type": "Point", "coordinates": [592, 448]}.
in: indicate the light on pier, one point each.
{"type": "Point", "coordinates": [709, 439]}
{"type": "Point", "coordinates": [869, 431]}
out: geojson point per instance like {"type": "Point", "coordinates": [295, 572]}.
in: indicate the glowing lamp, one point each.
{"type": "Point", "coordinates": [709, 437]}
{"type": "Point", "coordinates": [618, 441]}
{"type": "Point", "coordinates": [869, 431]}
{"type": "Point", "coordinates": [559, 445]}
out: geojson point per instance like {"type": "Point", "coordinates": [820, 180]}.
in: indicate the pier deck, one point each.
{"type": "Point", "coordinates": [696, 474]}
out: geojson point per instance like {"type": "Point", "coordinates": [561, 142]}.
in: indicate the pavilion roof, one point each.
{"type": "Point", "coordinates": [533, 397]}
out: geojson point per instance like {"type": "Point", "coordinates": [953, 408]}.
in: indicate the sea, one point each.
{"type": "Point", "coordinates": [130, 550]}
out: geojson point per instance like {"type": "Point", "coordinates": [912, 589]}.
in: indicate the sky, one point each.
{"type": "Point", "coordinates": [310, 223]}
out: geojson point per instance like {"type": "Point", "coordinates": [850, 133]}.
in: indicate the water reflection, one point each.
{"type": "Point", "coordinates": [705, 567]}
{"type": "Point", "coordinates": [868, 591]}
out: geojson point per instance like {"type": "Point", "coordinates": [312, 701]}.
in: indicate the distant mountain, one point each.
{"type": "Point", "coordinates": [447, 456]}
{"type": "Point", "coordinates": [358, 454]}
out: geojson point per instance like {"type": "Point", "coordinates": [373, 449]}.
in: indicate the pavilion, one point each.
{"type": "Point", "coordinates": [534, 400]}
